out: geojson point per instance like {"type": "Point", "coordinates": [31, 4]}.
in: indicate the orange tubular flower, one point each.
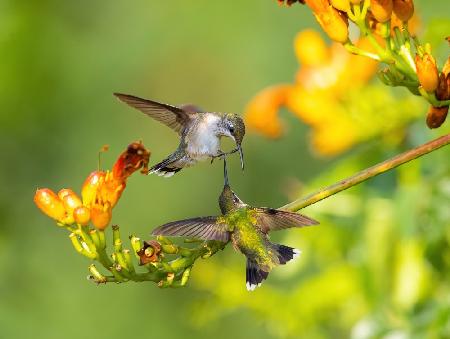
{"type": "Point", "coordinates": [100, 192]}
{"type": "Point", "coordinates": [261, 113]}
{"type": "Point", "coordinates": [381, 9]}
{"type": "Point", "coordinates": [403, 9]}
{"type": "Point", "coordinates": [49, 203]}
{"type": "Point", "coordinates": [427, 72]}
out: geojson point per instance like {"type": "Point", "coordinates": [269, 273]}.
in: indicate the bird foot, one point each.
{"type": "Point", "coordinates": [222, 155]}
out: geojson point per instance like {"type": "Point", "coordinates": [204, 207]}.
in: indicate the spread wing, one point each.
{"type": "Point", "coordinates": [207, 228]}
{"type": "Point", "coordinates": [174, 117]}
{"type": "Point", "coordinates": [271, 219]}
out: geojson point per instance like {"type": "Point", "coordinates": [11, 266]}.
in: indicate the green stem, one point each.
{"type": "Point", "coordinates": [367, 174]}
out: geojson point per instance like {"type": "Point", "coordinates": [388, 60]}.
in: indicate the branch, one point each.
{"type": "Point", "coordinates": [367, 174]}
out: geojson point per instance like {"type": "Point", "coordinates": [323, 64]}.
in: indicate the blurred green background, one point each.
{"type": "Point", "coordinates": [377, 266]}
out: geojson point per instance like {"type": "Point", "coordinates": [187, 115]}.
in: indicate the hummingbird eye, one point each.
{"type": "Point", "coordinates": [231, 128]}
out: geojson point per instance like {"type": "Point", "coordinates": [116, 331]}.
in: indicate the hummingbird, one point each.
{"type": "Point", "coordinates": [247, 228]}
{"type": "Point", "coordinates": [199, 131]}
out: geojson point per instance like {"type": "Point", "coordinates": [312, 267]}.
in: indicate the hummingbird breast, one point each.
{"type": "Point", "coordinates": [202, 139]}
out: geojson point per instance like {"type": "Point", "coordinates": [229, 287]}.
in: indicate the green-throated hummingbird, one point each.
{"type": "Point", "coordinates": [247, 228]}
{"type": "Point", "coordinates": [200, 132]}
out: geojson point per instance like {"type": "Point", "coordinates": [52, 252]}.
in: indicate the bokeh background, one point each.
{"type": "Point", "coordinates": [377, 266]}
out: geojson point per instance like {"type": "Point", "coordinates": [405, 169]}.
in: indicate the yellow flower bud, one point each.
{"type": "Point", "coordinates": [82, 215]}
{"type": "Point", "coordinates": [49, 203]}
{"type": "Point", "coordinates": [355, 2]}
{"type": "Point", "coordinates": [427, 72]}
{"type": "Point", "coordinates": [342, 5]}
{"type": "Point", "coordinates": [436, 116]}
{"type": "Point", "coordinates": [381, 9]}
{"type": "Point", "coordinates": [334, 24]}
{"type": "Point", "coordinates": [403, 9]}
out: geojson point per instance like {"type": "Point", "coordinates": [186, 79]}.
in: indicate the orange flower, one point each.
{"type": "Point", "coordinates": [319, 95]}
{"type": "Point", "coordinates": [100, 191]}
{"type": "Point", "coordinates": [427, 72]}
{"type": "Point", "coordinates": [261, 113]}
{"type": "Point", "coordinates": [310, 49]}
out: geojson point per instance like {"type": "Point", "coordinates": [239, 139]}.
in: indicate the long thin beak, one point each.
{"type": "Point", "coordinates": [241, 155]}
{"type": "Point", "coordinates": [225, 172]}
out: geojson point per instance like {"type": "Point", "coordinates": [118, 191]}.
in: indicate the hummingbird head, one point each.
{"type": "Point", "coordinates": [235, 128]}
{"type": "Point", "coordinates": [228, 200]}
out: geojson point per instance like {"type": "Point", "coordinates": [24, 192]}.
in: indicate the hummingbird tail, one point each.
{"type": "Point", "coordinates": [254, 275]}
{"type": "Point", "coordinates": [164, 169]}
{"type": "Point", "coordinates": [285, 253]}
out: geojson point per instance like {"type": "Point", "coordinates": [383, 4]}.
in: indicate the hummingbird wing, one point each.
{"type": "Point", "coordinates": [173, 117]}
{"type": "Point", "coordinates": [270, 219]}
{"type": "Point", "coordinates": [207, 228]}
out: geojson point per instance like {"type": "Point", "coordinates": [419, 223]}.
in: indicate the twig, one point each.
{"type": "Point", "coordinates": [367, 174]}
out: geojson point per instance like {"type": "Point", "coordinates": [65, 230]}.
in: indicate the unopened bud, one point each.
{"type": "Point", "coordinates": [427, 72]}
{"type": "Point", "coordinates": [334, 24]}
{"type": "Point", "coordinates": [436, 116]}
{"type": "Point", "coordinates": [82, 215]}
{"type": "Point", "coordinates": [403, 9]}
{"type": "Point", "coordinates": [49, 203]}
{"type": "Point", "coordinates": [381, 9]}
{"type": "Point", "coordinates": [443, 88]}
{"type": "Point", "coordinates": [70, 201]}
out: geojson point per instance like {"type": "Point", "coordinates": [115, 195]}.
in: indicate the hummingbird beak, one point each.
{"type": "Point", "coordinates": [225, 172]}
{"type": "Point", "coordinates": [241, 155]}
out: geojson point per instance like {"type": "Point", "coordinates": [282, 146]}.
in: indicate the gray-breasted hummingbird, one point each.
{"type": "Point", "coordinates": [200, 132]}
{"type": "Point", "coordinates": [247, 228]}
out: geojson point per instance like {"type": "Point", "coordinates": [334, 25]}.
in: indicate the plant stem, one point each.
{"type": "Point", "coordinates": [367, 174]}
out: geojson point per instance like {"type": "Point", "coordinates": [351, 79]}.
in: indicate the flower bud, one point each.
{"type": "Point", "coordinates": [427, 72]}
{"type": "Point", "coordinates": [82, 215]}
{"type": "Point", "coordinates": [381, 9]}
{"type": "Point", "coordinates": [70, 201]}
{"type": "Point", "coordinates": [49, 203]}
{"type": "Point", "coordinates": [101, 215]}
{"type": "Point", "coordinates": [342, 5]}
{"type": "Point", "coordinates": [443, 88]}
{"type": "Point", "coordinates": [403, 9]}
{"type": "Point", "coordinates": [355, 2]}
{"type": "Point", "coordinates": [335, 25]}
{"type": "Point", "coordinates": [436, 116]}
{"type": "Point", "coordinates": [90, 187]}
